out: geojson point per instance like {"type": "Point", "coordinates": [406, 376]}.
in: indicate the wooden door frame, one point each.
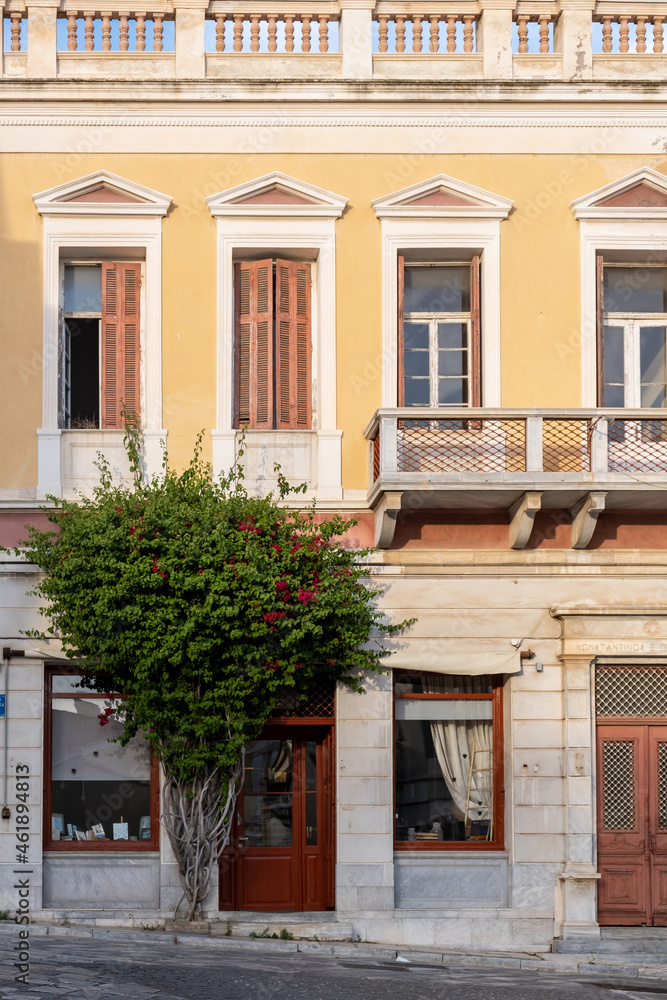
{"type": "Point", "coordinates": [281, 728]}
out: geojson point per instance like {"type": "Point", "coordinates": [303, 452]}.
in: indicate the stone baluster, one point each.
{"type": "Point", "coordinates": [606, 34]}
{"type": "Point", "coordinates": [434, 33]}
{"type": "Point", "coordinates": [624, 33]}
{"type": "Point", "coordinates": [641, 33]}
{"type": "Point", "coordinates": [89, 30]}
{"type": "Point", "coordinates": [71, 30]}
{"type": "Point", "coordinates": [468, 22]}
{"type": "Point", "coordinates": [400, 33]}
{"type": "Point", "coordinates": [254, 32]}
{"type": "Point", "coordinates": [124, 18]}
{"type": "Point", "coordinates": [220, 32]}
{"type": "Point", "coordinates": [141, 31]}
{"type": "Point", "coordinates": [305, 32]}
{"type": "Point", "coordinates": [289, 32]}
{"type": "Point", "coordinates": [416, 32]}
{"type": "Point", "coordinates": [273, 32]}
{"type": "Point", "coordinates": [16, 18]}
{"type": "Point", "coordinates": [657, 33]}
{"type": "Point", "coordinates": [522, 27]}
{"type": "Point", "coordinates": [157, 32]}
{"type": "Point", "coordinates": [543, 21]}
{"type": "Point", "coordinates": [383, 33]}
{"type": "Point", "coordinates": [324, 32]}
{"type": "Point", "coordinates": [238, 32]}
{"type": "Point", "coordinates": [451, 32]}
{"type": "Point", "coordinates": [106, 30]}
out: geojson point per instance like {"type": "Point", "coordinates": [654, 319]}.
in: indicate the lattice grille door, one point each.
{"type": "Point", "coordinates": [618, 784]}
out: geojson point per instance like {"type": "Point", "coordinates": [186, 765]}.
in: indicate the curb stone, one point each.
{"type": "Point", "coordinates": [573, 964]}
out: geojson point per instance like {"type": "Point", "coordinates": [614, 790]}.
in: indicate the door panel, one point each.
{"type": "Point", "coordinates": [632, 824]}
{"type": "Point", "coordinates": [276, 857]}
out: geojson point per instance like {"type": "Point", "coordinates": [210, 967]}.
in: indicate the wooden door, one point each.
{"type": "Point", "coordinates": [632, 824]}
{"type": "Point", "coordinates": [279, 856]}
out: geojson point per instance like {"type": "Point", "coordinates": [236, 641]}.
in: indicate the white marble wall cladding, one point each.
{"type": "Point", "coordinates": [118, 881]}
{"type": "Point", "coordinates": [533, 887]}
{"type": "Point", "coordinates": [445, 880]}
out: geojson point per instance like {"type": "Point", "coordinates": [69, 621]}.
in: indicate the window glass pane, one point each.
{"type": "Point", "coordinates": [268, 766]}
{"type": "Point", "coordinates": [311, 819]}
{"type": "Point", "coordinates": [614, 365]}
{"type": "Point", "coordinates": [452, 362]}
{"type": "Point", "coordinates": [635, 289]}
{"type": "Point", "coordinates": [95, 782]}
{"type": "Point", "coordinates": [416, 336]}
{"type": "Point", "coordinates": [267, 820]}
{"type": "Point", "coordinates": [444, 780]}
{"type": "Point", "coordinates": [416, 363]}
{"type": "Point", "coordinates": [311, 766]}
{"type": "Point", "coordinates": [417, 392]}
{"type": "Point", "coordinates": [452, 335]}
{"type": "Point", "coordinates": [460, 708]}
{"type": "Point", "coordinates": [452, 392]}
{"type": "Point", "coordinates": [652, 365]}
{"type": "Point", "coordinates": [437, 289]}
{"type": "Point", "coordinates": [83, 288]}
{"type": "Point", "coordinates": [419, 683]}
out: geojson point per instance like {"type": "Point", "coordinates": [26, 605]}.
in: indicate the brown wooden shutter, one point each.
{"type": "Point", "coordinates": [475, 333]}
{"type": "Point", "coordinates": [599, 323]}
{"type": "Point", "coordinates": [401, 340]}
{"type": "Point", "coordinates": [253, 344]}
{"type": "Point", "coordinates": [293, 345]}
{"type": "Point", "coordinates": [121, 291]}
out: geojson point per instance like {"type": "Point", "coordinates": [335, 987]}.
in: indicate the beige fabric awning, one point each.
{"type": "Point", "coordinates": [429, 656]}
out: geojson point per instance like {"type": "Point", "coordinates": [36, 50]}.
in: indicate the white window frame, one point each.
{"type": "Point", "coordinates": [71, 226]}
{"type": "Point", "coordinates": [467, 229]}
{"type": "Point", "coordinates": [272, 230]}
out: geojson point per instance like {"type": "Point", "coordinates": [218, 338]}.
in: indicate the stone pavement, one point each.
{"type": "Point", "coordinates": [84, 963]}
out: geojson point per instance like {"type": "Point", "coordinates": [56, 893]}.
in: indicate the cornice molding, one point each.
{"type": "Point", "coordinates": [143, 201]}
{"type": "Point", "coordinates": [589, 206]}
{"type": "Point", "coordinates": [315, 202]}
{"type": "Point", "coordinates": [480, 204]}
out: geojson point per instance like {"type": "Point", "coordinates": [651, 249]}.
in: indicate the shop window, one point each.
{"type": "Point", "coordinates": [100, 371]}
{"type": "Point", "coordinates": [272, 345]}
{"type": "Point", "coordinates": [448, 761]}
{"type": "Point", "coordinates": [99, 794]}
{"type": "Point", "coordinates": [439, 334]}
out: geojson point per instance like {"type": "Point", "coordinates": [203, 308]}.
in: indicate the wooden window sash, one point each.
{"type": "Point", "coordinates": [599, 325]}
{"type": "Point", "coordinates": [253, 344]}
{"type": "Point", "coordinates": [120, 354]}
{"type": "Point", "coordinates": [293, 345]}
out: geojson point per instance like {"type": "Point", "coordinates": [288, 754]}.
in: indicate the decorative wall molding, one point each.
{"type": "Point", "coordinates": [592, 206]}
{"type": "Point", "coordinates": [130, 198]}
{"type": "Point", "coordinates": [305, 200]}
{"type": "Point", "coordinates": [442, 197]}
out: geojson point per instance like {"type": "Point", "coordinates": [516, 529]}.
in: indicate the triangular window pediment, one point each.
{"type": "Point", "coordinates": [442, 196]}
{"type": "Point", "coordinates": [641, 194]}
{"type": "Point", "coordinates": [276, 194]}
{"type": "Point", "coordinates": [101, 193]}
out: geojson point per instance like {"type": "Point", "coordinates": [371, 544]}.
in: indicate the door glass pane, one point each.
{"type": "Point", "coordinates": [452, 362]}
{"type": "Point", "coordinates": [83, 288]}
{"type": "Point", "coordinates": [268, 766]}
{"type": "Point", "coordinates": [652, 365]}
{"type": "Point", "coordinates": [436, 289]}
{"type": "Point", "coordinates": [311, 819]}
{"type": "Point", "coordinates": [635, 289]}
{"type": "Point", "coordinates": [267, 820]}
{"type": "Point", "coordinates": [662, 786]}
{"type": "Point", "coordinates": [311, 766]}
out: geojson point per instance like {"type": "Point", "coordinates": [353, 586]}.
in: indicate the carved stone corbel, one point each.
{"type": "Point", "coordinates": [386, 514]}
{"type": "Point", "coordinates": [522, 517]}
{"type": "Point", "coordinates": [584, 518]}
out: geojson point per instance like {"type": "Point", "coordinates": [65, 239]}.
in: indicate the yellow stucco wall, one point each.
{"type": "Point", "coordinates": [539, 294]}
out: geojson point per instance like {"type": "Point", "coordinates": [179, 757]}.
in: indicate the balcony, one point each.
{"type": "Point", "coordinates": [583, 461]}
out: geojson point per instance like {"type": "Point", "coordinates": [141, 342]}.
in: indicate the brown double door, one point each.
{"type": "Point", "coordinates": [632, 823]}
{"type": "Point", "coordinates": [280, 855]}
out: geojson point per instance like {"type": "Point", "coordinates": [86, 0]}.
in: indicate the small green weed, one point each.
{"type": "Point", "coordinates": [285, 935]}
{"type": "Point", "coordinates": [264, 934]}
{"type": "Point", "coordinates": [228, 932]}
{"type": "Point", "coordinates": [4, 914]}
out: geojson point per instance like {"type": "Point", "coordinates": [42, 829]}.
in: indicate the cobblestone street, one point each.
{"type": "Point", "coordinates": [83, 969]}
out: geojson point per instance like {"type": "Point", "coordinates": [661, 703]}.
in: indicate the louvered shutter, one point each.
{"type": "Point", "coordinates": [253, 344]}
{"type": "Point", "coordinates": [599, 324]}
{"type": "Point", "coordinates": [293, 345]}
{"type": "Point", "coordinates": [121, 290]}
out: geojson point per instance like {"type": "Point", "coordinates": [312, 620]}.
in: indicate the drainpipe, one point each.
{"type": "Point", "coordinates": [7, 653]}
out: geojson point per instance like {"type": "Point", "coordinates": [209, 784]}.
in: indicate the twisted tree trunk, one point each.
{"type": "Point", "coordinates": [198, 816]}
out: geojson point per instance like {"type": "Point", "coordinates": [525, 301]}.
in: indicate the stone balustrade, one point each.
{"type": "Point", "coordinates": [336, 39]}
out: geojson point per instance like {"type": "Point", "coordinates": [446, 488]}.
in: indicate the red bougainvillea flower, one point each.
{"type": "Point", "coordinates": [274, 616]}
{"type": "Point", "coordinates": [105, 716]}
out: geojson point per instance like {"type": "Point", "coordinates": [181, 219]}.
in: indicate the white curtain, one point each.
{"type": "Point", "coordinates": [453, 740]}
